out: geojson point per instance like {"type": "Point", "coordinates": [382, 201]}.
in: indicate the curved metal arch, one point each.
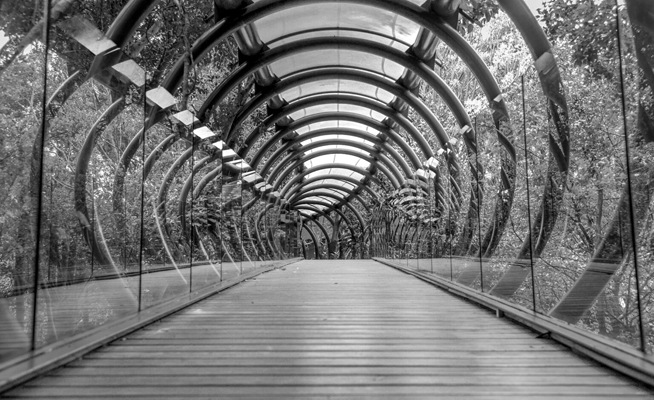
{"type": "Point", "coordinates": [343, 190]}
{"type": "Point", "coordinates": [552, 86]}
{"type": "Point", "coordinates": [406, 60]}
{"type": "Point", "coordinates": [355, 238]}
{"type": "Point", "coordinates": [375, 80]}
{"type": "Point", "coordinates": [249, 236]}
{"type": "Point", "coordinates": [329, 208]}
{"type": "Point", "coordinates": [372, 155]}
{"type": "Point", "coordinates": [320, 213]}
{"type": "Point", "coordinates": [161, 148]}
{"type": "Point", "coordinates": [252, 219]}
{"type": "Point", "coordinates": [163, 189]}
{"type": "Point", "coordinates": [263, 8]}
{"type": "Point", "coordinates": [313, 237]}
{"type": "Point", "coordinates": [81, 169]}
{"type": "Point", "coordinates": [260, 241]}
{"type": "Point", "coordinates": [128, 20]}
{"type": "Point", "coordinates": [356, 183]}
{"type": "Point", "coordinates": [270, 236]}
{"type": "Point", "coordinates": [266, 7]}
{"type": "Point", "coordinates": [335, 197]}
{"type": "Point", "coordinates": [331, 98]}
{"type": "Point", "coordinates": [320, 227]}
{"type": "Point", "coordinates": [390, 174]}
{"type": "Point", "coordinates": [299, 177]}
{"type": "Point", "coordinates": [186, 188]}
{"type": "Point", "coordinates": [202, 183]}
{"type": "Point", "coordinates": [273, 249]}
{"type": "Point", "coordinates": [334, 116]}
{"type": "Point", "coordinates": [324, 214]}
{"type": "Point", "coordinates": [360, 44]}
{"type": "Point", "coordinates": [418, 15]}
{"type": "Point", "coordinates": [338, 211]}
{"type": "Point", "coordinates": [343, 200]}
{"type": "Point", "coordinates": [161, 219]}
{"type": "Point", "coordinates": [333, 186]}
{"type": "Point", "coordinates": [332, 131]}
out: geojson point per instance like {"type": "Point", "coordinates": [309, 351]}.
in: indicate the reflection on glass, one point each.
{"type": "Point", "coordinates": [21, 110]}
{"type": "Point", "coordinates": [203, 214]}
{"type": "Point", "coordinates": [231, 218]}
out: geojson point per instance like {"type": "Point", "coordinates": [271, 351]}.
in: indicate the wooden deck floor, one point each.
{"type": "Point", "coordinates": [332, 329]}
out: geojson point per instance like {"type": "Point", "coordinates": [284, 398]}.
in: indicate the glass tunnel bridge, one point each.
{"type": "Point", "coordinates": [180, 149]}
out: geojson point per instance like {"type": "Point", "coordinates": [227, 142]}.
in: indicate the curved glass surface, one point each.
{"type": "Point", "coordinates": [339, 16]}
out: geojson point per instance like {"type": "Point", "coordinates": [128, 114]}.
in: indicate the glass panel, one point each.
{"type": "Point", "coordinates": [337, 146]}
{"type": "Point", "coordinates": [336, 85]}
{"type": "Point", "coordinates": [343, 138]}
{"type": "Point", "coordinates": [341, 32]}
{"type": "Point", "coordinates": [23, 80]}
{"type": "Point", "coordinates": [165, 240]}
{"type": "Point", "coordinates": [302, 18]}
{"type": "Point", "coordinates": [231, 219]}
{"type": "Point", "coordinates": [251, 258]}
{"type": "Point", "coordinates": [336, 124]}
{"type": "Point", "coordinates": [89, 255]}
{"type": "Point", "coordinates": [203, 215]}
{"type": "Point", "coordinates": [338, 158]}
{"type": "Point", "coordinates": [341, 57]}
{"type": "Point", "coordinates": [336, 106]}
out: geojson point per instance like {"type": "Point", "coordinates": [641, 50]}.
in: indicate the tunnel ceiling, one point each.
{"type": "Point", "coordinates": [343, 86]}
{"type": "Point", "coordinates": [325, 107]}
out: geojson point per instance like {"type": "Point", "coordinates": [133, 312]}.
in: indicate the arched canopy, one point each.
{"type": "Point", "coordinates": [349, 100]}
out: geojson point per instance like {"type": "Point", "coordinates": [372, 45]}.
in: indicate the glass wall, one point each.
{"type": "Point", "coordinates": [576, 243]}
{"type": "Point", "coordinates": [115, 196]}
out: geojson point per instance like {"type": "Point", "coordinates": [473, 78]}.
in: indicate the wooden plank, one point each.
{"type": "Point", "coordinates": [376, 396]}
{"type": "Point", "coordinates": [27, 366]}
{"type": "Point", "coordinates": [333, 329]}
{"type": "Point", "coordinates": [621, 357]}
{"type": "Point", "coordinates": [400, 391]}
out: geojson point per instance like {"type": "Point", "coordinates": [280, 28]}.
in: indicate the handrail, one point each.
{"type": "Point", "coordinates": [35, 363]}
{"type": "Point", "coordinates": [19, 290]}
{"type": "Point", "coordinates": [610, 353]}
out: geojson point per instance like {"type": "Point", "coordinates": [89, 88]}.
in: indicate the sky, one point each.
{"type": "Point", "coordinates": [534, 4]}
{"type": "Point", "coordinates": [3, 39]}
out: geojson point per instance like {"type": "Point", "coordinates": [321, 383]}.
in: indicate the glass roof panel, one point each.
{"type": "Point", "coordinates": [338, 182]}
{"type": "Point", "coordinates": [341, 57]}
{"type": "Point", "coordinates": [340, 193]}
{"type": "Point", "coordinates": [321, 198]}
{"type": "Point", "coordinates": [334, 107]}
{"type": "Point", "coordinates": [332, 200]}
{"type": "Point", "coordinates": [336, 171]}
{"type": "Point", "coordinates": [337, 124]}
{"type": "Point", "coordinates": [344, 138]}
{"type": "Point", "coordinates": [337, 85]}
{"type": "Point", "coordinates": [337, 158]}
{"type": "Point", "coordinates": [337, 146]}
{"type": "Point", "coordinates": [336, 15]}
{"type": "Point", "coordinates": [309, 213]}
{"type": "Point", "coordinates": [356, 33]}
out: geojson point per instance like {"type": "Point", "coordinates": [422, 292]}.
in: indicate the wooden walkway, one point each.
{"type": "Point", "coordinates": [332, 329]}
